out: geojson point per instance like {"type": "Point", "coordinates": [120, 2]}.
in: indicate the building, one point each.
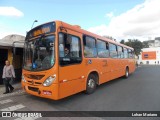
{"type": "Point", "coordinates": [150, 55]}
{"type": "Point", "coordinates": [151, 43]}
{"type": "Point", "coordinates": [154, 43]}
{"type": "Point", "coordinates": [6, 49]}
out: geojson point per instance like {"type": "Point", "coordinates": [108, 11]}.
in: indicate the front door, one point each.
{"type": "Point", "coordinates": [71, 76]}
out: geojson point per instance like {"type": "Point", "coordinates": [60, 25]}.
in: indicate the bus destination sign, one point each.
{"type": "Point", "coordinates": [40, 30]}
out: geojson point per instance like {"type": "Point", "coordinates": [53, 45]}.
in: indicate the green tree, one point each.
{"type": "Point", "coordinates": [136, 44]}
{"type": "Point", "coordinates": [145, 44]}
{"type": "Point", "coordinates": [122, 41]}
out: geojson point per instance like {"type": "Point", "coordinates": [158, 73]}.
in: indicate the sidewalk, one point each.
{"type": "Point", "coordinates": [17, 86]}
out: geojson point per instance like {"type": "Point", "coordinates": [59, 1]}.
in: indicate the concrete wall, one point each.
{"type": "Point", "coordinates": [149, 56]}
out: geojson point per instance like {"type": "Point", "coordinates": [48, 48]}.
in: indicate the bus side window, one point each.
{"type": "Point", "coordinates": [133, 53]}
{"type": "Point", "coordinates": [120, 52]}
{"type": "Point", "coordinates": [61, 45]}
{"type": "Point", "coordinates": [113, 50]}
{"type": "Point", "coordinates": [75, 48]}
{"type": "Point", "coordinates": [125, 52]}
{"type": "Point", "coordinates": [90, 49]}
{"type": "Point", "coordinates": [130, 53]}
{"type": "Point", "coordinates": [122, 55]}
{"type": "Point", "coordinates": [69, 49]}
{"type": "Point", "coordinates": [103, 49]}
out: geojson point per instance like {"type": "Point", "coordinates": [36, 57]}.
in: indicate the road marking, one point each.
{"type": "Point", "coordinates": [26, 118]}
{"type": "Point", "coordinates": [5, 101]}
{"type": "Point", "coordinates": [18, 119]}
{"type": "Point", "coordinates": [13, 108]}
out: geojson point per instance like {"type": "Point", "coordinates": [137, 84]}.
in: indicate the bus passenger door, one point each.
{"type": "Point", "coordinates": [71, 78]}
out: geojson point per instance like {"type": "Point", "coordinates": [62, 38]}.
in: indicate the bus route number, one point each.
{"type": "Point", "coordinates": [41, 31]}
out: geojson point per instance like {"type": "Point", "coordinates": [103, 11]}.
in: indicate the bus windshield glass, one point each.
{"type": "Point", "coordinates": [39, 53]}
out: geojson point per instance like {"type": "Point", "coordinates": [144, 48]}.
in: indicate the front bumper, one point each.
{"type": "Point", "coordinates": [50, 92]}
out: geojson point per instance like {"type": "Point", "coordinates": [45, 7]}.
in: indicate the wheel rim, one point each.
{"type": "Point", "coordinates": [91, 83]}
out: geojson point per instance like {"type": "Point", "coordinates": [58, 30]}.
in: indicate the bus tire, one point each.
{"type": "Point", "coordinates": [126, 73]}
{"type": "Point", "coordinates": [91, 84]}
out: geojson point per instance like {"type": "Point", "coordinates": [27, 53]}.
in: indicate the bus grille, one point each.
{"type": "Point", "coordinates": [33, 89]}
{"type": "Point", "coordinates": [34, 83]}
{"type": "Point", "coordinates": [36, 77]}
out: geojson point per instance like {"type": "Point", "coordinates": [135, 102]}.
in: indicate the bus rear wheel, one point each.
{"type": "Point", "coordinates": [127, 73]}
{"type": "Point", "coordinates": [91, 84]}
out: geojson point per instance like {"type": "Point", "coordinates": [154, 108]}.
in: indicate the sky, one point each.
{"type": "Point", "coordinates": [121, 19]}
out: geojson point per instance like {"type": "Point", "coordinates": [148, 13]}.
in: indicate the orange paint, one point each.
{"type": "Point", "coordinates": [71, 79]}
{"type": "Point", "coordinates": [41, 31]}
{"type": "Point", "coordinates": [149, 55]}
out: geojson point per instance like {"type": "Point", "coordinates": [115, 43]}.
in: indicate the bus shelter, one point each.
{"type": "Point", "coordinates": [6, 53]}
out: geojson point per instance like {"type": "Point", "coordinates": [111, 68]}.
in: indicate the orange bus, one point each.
{"type": "Point", "coordinates": [61, 60]}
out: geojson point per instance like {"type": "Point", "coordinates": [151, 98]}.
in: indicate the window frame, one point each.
{"type": "Point", "coordinates": [110, 50]}
{"type": "Point", "coordinates": [106, 42]}
{"type": "Point", "coordinates": [132, 53]}
{"type": "Point", "coordinates": [84, 38]}
{"type": "Point", "coordinates": [64, 46]}
{"type": "Point", "coordinates": [121, 52]}
{"type": "Point", "coordinates": [124, 52]}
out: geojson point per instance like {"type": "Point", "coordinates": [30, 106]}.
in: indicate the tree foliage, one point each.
{"type": "Point", "coordinates": [122, 42]}
{"type": "Point", "coordinates": [145, 44]}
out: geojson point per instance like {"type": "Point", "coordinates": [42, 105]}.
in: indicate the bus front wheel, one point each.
{"type": "Point", "coordinates": [91, 84]}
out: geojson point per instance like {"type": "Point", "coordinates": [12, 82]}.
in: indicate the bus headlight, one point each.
{"type": "Point", "coordinates": [23, 79]}
{"type": "Point", "coordinates": [49, 80]}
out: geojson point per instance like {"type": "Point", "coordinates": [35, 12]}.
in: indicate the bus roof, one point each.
{"type": "Point", "coordinates": [78, 29]}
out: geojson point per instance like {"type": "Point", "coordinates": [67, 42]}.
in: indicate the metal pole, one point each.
{"type": "Point", "coordinates": [33, 23]}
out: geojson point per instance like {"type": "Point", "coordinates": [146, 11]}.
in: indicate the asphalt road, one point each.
{"type": "Point", "coordinates": [140, 92]}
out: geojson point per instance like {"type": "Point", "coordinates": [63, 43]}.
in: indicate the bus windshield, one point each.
{"type": "Point", "coordinates": [39, 53]}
